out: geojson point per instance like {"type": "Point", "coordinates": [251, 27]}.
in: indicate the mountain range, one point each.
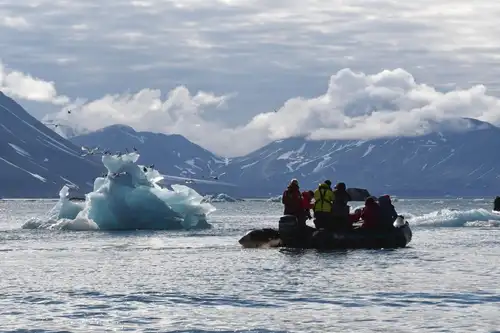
{"type": "Point", "coordinates": [452, 162]}
{"type": "Point", "coordinates": [434, 165]}
{"type": "Point", "coordinates": [36, 162]}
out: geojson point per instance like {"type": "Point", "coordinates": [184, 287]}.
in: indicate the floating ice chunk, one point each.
{"type": "Point", "coordinates": [479, 217]}
{"type": "Point", "coordinates": [67, 209]}
{"type": "Point", "coordinates": [128, 198]}
{"type": "Point", "coordinates": [275, 199]}
{"type": "Point", "coordinates": [221, 197]}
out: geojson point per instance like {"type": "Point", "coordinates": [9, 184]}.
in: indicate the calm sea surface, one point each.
{"type": "Point", "coordinates": [447, 280]}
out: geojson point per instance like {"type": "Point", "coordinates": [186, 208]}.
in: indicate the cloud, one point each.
{"type": "Point", "coordinates": [14, 22]}
{"type": "Point", "coordinates": [266, 51]}
{"type": "Point", "coordinates": [224, 44]}
{"type": "Point", "coordinates": [355, 106]}
{"type": "Point", "coordinates": [389, 103]}
{"type": "Point", "coordinates": [19, 85]}
{"type": "Point", "coordinates": [178, 112]}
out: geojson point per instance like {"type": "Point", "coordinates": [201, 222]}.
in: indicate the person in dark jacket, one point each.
{"type": "Point", "coordinates": [292, 200]}
{"type": "Point", "coordinates": [496, 204]}
{"type": "Point", "coordinates": [370, 214]}
{"type": "Point", "coordinates": [387, 211]}
{"type": "Point", "coordinates": [340, 209]}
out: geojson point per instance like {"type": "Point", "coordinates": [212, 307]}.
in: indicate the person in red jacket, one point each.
{"type": "Point", "coordinates": [292, 200]}
{"type": "Point", "coordinates": [307, 196]}
{"type": "Point", "coordinates": [371, 214]}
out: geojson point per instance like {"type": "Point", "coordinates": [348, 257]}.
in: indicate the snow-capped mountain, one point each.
{"type": "Point", "coordinates": [459, 163]}
{"type": "Point", "coordinates": [170, 154]}
{"type": "Point", "coordinates": [35, 162]}
{"type": "Point", "coordinates": [463, 163]}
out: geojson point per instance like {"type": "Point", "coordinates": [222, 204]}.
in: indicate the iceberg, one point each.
{"type": "Point", "coordinates": [275, 199]}
{"type": "Point", "coordinates": [128, 197]}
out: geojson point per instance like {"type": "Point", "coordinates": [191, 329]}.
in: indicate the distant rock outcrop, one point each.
{"type": "Point", "coordinates": [358, 194]}
{"type": "Point", "coordinates": [221, 197]}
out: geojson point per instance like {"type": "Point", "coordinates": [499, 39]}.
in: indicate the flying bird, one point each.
{"type": "Point", "coordinates": [88, 151]}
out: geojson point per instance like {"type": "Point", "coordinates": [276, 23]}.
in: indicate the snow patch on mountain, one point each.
{"type": "Point", "coordinates": [368, 150]}
{"type": "Point", "coordinates": [37, 176]}
{"type": "Point", "coordinates": [249, 165]}
{"type": "Point", "coordinates": [20, 150]}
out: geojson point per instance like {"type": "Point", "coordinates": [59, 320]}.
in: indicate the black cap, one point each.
{"type": "Point", "coordinates": [328, 182]}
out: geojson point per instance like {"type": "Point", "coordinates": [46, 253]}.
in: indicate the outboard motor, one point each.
{"type": "Point", "coordinates": [496, 204]}
{"type": "Point", "coordinates": [400, 222]}
{"type": "Point", "coordinates": [289, 231]}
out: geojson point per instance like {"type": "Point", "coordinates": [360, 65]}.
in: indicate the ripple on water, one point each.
{"type": "Point", "coordinates": [446, 281]}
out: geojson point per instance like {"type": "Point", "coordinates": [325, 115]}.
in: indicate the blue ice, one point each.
{"type": "Point", "coordinates": [128, 198]}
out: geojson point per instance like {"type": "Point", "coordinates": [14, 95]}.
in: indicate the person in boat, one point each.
{"type": "Point", "coordinates": [388, 213]}
{"type": "Point", "coordinates": [371, 214]}
{"type": "Point", "coordinates": [292, 200]}
{"type": "Point", "coordinates": [307, 197]}
{"type": "Point", "coordinates": [323, 201]}
{"type": "Point", "coordinates": [340, 209]}
{"type": "Point", "coordinates": [496, 204]}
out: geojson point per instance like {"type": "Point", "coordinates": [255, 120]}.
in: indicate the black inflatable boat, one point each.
{"type": "Point", "coordinates": [290, 235]}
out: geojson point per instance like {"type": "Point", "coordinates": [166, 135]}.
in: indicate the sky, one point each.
{"type": "Point", "coordinates": [234, 75]}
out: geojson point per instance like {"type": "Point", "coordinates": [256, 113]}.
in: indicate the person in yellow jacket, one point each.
{"type": "Point", "coordinates": [323, 203]}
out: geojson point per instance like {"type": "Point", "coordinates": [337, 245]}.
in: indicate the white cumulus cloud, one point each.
{"type": "Point", "coordinates": [178, 112]}
{"type": "Point", "coordinates": [355, 105]}
{"type": "Point", "coordinates": [389, 103]}
{"type": "Point", "coordinates": [20, 85]}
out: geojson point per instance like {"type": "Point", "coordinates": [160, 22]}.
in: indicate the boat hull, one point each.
{"type": "Point", "coordinates": [290, 235]}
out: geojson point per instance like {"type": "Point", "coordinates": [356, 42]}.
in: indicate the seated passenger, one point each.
{"type": "Point", "coordinates": [340, 209]}
{"type": "Point", "coordinates": [387, 211]}
{"type": "Point", "coordinates": [370, 214]}
{"type": "Point", "coordinates": [323, 200]}
{"type": "Point", "coordinates": [496, 204]}
{"type": "Point", "coordinates": [292, 199]}
{"type": "Point", "coordinates": [307, 197]}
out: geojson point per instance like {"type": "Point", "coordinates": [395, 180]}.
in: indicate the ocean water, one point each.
{"type": "Point", "coordinates": [447, 280]}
